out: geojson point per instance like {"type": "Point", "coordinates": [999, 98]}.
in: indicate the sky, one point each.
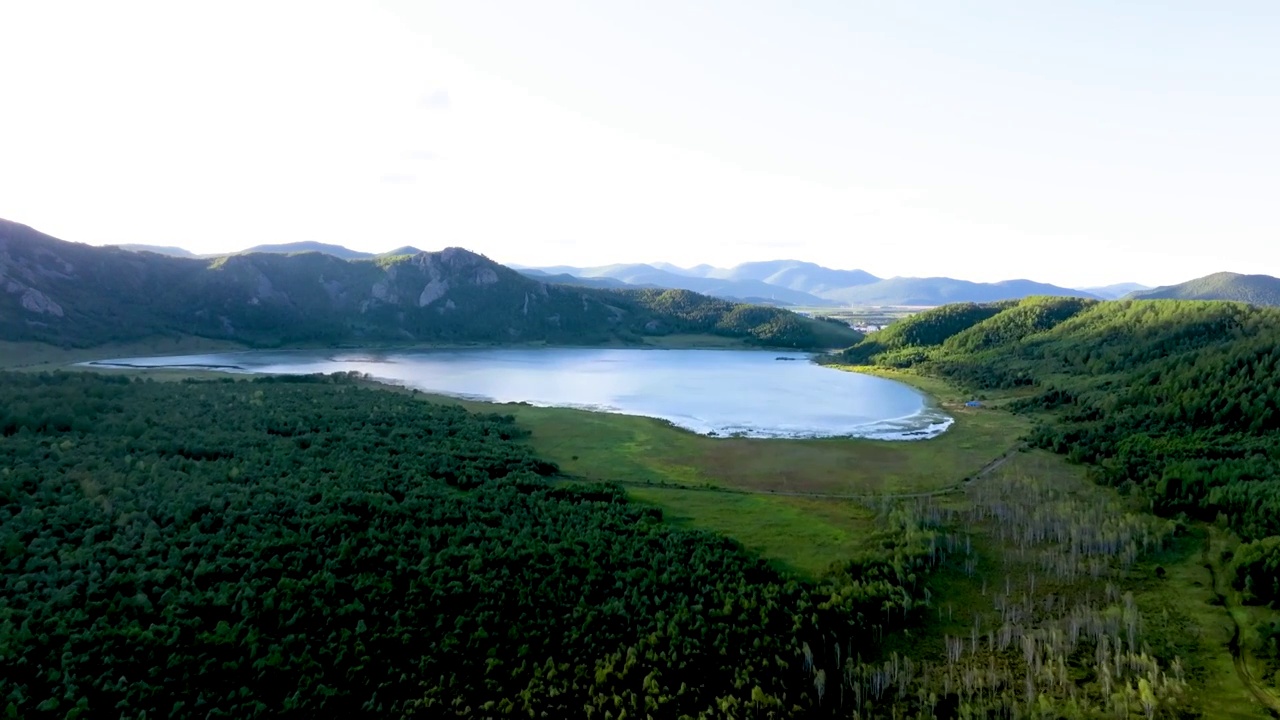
{"type": "Point", "coordinates": [1081, 143]}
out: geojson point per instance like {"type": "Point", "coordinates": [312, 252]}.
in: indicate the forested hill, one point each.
{"type": "Point", "coordinates": [1176, 399]}
{"type": "Point", "coordinates": [73, 294]}
{"type": "Point", "coordinates": [1255, 289]}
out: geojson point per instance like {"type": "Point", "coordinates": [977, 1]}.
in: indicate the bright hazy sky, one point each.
{"type": "Point", "coordinates": [1077, 143]}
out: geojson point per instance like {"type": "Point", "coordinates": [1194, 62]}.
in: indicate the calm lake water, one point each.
{"type": "Point", "coordinates": [726, 392]}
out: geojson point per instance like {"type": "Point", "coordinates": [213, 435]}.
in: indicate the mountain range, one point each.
{"type": "Point", "coordinates": [79, 295]}
{"type": "Point", "coordinates": [1117, 291]}
{"type": "Point", "coordinates": [337, 251]}
{"type": "Point", "coordinates": [782, 283]}
{"type": "Point", "coordinates": [795, 283]}
{"type": "Point", "coordinates": [805, 284]}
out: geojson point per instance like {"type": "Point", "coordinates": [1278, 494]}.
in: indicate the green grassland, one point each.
{"type": "Point", "coordinates": [1183, 609]}
{"type": "Point", "coordinates": [637, 450]}
{"type": "Point", "coordinates": [801, 535]}
{"type": "Point", "coordinates": [737, 486]}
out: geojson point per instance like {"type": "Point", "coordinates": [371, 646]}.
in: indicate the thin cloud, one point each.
{"type": "Point", "coordinates": [399, 179]}
{"type": "Point", "coordinates": [436, 100]}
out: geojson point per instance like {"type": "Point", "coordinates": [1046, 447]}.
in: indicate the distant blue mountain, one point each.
{"type": "Point", "coordinates": [934, 291]}
{"type": "Point", "coordinates": [796, 275]}
{"type": "Point", "coordinates": [567, 279]}
{"type": "Point", "coordinates": [651, 276]}
{"type": "Point", "coordinates": [1117, 291]}
{"type": "Point", "coordinates": [805, 284]}
{"type": "Point", "coordinates": [169, 250]}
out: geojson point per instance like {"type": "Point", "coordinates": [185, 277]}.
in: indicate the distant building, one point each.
{"type": "Point", "coordinates": [973, 403]}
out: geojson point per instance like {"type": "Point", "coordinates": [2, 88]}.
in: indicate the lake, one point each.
{"type": "Point", "coordinates": [749, 393]}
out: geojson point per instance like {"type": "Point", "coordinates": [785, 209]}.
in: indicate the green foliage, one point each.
{"type": "Point", "coordinates": [1016, 322]}
{"type": "Point", "coordinates": [903, 342]}
{"type": "Point", "coordinates": [1257, 569]}
{"type": "Point", "coordinates": [308, 547]}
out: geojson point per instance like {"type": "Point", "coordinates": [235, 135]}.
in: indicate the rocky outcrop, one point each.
{"type": "Point", "coordinates": [32, 300]}
{"type": "Point", "coordinates": [37, 302]}
{"type": "Point", "coordinates": [433, 292]}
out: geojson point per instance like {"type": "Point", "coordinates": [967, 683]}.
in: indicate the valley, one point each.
{"type": "Point", "coordinates": [1093, 534]}
{"type": "Point", "coordinates": [828, 512]}
{"type": "Point", "coordinates": [639, 361]}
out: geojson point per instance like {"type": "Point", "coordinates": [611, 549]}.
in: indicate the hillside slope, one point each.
{"type": "Point", "coordinates": [1177, 397]}
{"type": "Point", "coordinates": [905, 340]}
{"type": "Point", "coordinates": [1254, 289]}
{"type": "Point", "coordinates": [73, 294]}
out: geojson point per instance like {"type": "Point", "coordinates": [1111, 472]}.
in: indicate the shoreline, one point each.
{"type": "Point", "coordinates": [930, 421]}
{"type": "Point", "coordinates": [28, 355]}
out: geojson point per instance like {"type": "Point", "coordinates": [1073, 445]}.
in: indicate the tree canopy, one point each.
{"type": "Point", "coordinates": [308, 546]}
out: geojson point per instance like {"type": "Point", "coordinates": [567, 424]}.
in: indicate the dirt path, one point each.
{"type": "Point", "coordinates": [958, 486]}
{"type": "Point", "coordinates": [1239, 655]}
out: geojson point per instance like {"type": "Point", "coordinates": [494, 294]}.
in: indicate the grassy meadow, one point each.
{"type": "Point", "coordinates": [637, 450]}
{"type": "Point", "coordinates": [768, 495]}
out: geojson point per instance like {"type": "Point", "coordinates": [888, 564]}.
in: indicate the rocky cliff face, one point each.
{"type": "Point", "coordinates": [453, 294]}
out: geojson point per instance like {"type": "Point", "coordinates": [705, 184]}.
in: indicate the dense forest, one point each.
{"type": "Point", "coordinates": [76, 295]}
{"type": "Point", "coordinates": [1177, 399]}
{"type": "Point", "coordinates": [311, 547]}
